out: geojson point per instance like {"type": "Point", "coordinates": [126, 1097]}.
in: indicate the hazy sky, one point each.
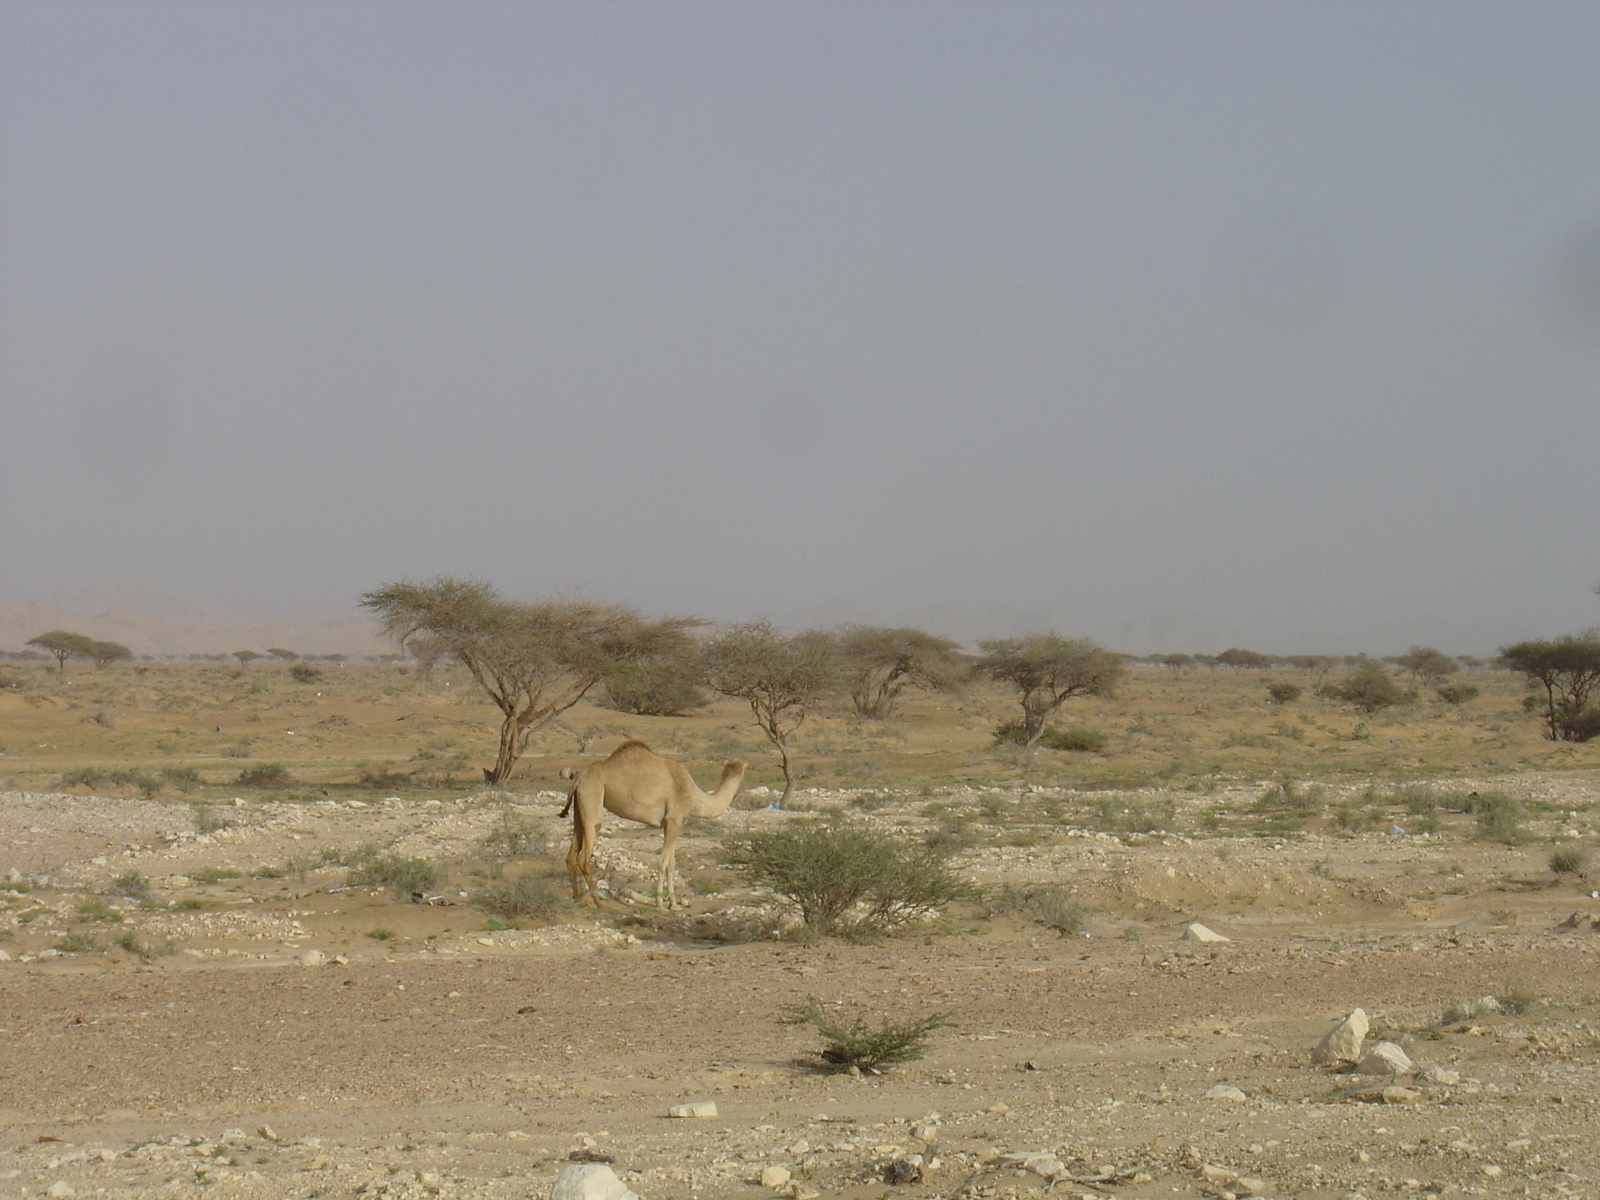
{"type": "Point", "coordinates": [1169, 324]}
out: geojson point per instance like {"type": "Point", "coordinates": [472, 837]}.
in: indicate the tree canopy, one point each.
{"type": "Point", "coordinates": [1568, 668]}
{"type": "Point", "coordinates": [64, 644]}
{"type": "Point", "coordinates": [1424, 662]}
{"type": "Point", "coordinates": [106, 653]}
{"type": "Point", "coordinates": [1048, 670]}
{"type": "Point", "coordinates": [879, 664]}
{"type": "Point", "coordinates": [781, 677]}
{"type": "Point", "coordinates": [533, 660]}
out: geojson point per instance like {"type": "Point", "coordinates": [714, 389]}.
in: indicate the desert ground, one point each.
{"type": "Point", "coordinates": [195, 1000]}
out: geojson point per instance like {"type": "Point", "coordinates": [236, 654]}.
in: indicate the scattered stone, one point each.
{"type": "Point", "coordinates": [1489, 1169]}
{"type": "Point", "coordinates": [1342, 1043]}
{"type": "Point", "coordinates": [311, 958]}
{"type": "Point", "coordinates": [701, 1108]}
{"type": "Point", "coordinates": [1576, 921]}
{"type": "Point", "coordinates": [13, 875]}
{"type": "Point", "coordinates": [1246, 1185]}
{"type": "Point", "coordinates": [4, 957]}
{"type": "Point", "coordinates": [775, 1178]}
{"type": "Point", "coordinates": [1439, 1076]}
{"type": "Point", "coordinates": [907, 1169]}
{"type": "Point", "coordinates": [590, 1181]}
{"type": "Point", "coordinates": [1386, 1058]}
{"type": "Point", "coordinates": [1224, 1091]}
{"type": "Point", "coordinates": [1199, 933]}
{"type": "Point", "coordinates": [268, 1132]}
{"type": "Point", "coordinates": [60, 1189]}
{"type": "Point", "coordinates": [1400, 1095]}
{"type": "Point", "coordinates": [1218, 1174]}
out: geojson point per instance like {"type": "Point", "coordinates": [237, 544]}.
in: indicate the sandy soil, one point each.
{"type": "Point", "coordinates": [282, 1051]}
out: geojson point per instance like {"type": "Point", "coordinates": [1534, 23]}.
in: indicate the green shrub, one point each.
{"type": "Point", "coordinates": [1517, 999]}
{"type": "Point", "coordinates": [1080, 741]}
{"type": "Point", "coordinates": [845, 877]}
{"type": "Point", "coordinates": [1283, 693]}
{"type": "Point", "coordinates": [182, 778]}
{"type": "Point", "coordinates": [1288, 796]}
{"type": "Point", "coordinates": [1370, 687]}
{"type": "Point", "coordinates": [1569, 860]}
{"type": "Point", "coordinates": [303, 673]}
{"type": "Point", "coordinates": [1054, 907]}
{"type": "Point", "coordinates": [98, 910]}
{"type": "Point", "coordinates": [405, 877]}
{"type": "Point", "coordinates": [534, 894]}
{"type": "Point", "coordinates": [1500, 819]}
{"type": "Point", "coordinates": [859, 1045]}
{"type": "Point", "coordinates": [512, 833]}
{"type": "Point", "coordinates": [267, 775]}
{"type": "Point", "coordinates": [205, 820]}
{"type": "Point", "coordinates": [1456, 693]}
{"type": "Point", "coordinates": [133, 885]}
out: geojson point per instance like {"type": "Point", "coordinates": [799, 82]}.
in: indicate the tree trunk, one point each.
{"type": "Point", "coordinates": [506, 761]}
{"type": "Point", "coordinates": [788, 772]}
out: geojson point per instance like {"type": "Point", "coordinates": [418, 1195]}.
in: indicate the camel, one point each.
{"type": "Point", "coordinates": [637, 784]}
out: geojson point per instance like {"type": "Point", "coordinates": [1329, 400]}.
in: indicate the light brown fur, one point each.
{"type": "Point", "coordinates": [637, 784]}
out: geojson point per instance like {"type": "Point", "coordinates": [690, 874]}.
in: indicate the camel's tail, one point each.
{"type": "Point", "coordinates": [572, 793]}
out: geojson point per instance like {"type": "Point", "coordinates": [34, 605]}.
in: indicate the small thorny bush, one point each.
{"type": "Point", "coordinates": [854, 1043]}
{"type": "Point", "coordinates": [847, 878]}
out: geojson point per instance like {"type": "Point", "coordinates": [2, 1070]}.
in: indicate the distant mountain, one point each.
{"type": "Point", "coordinates": [163, 637]}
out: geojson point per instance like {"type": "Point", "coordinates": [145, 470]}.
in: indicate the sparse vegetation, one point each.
{"type": "Point", "coordinates": [404, 877]}
{"type": "Point", "coordinates": [267, 775]}
{"type": "Point", "coordinates": [1569, 860]}
{"type": "Point", "coordinates": [535, 894]}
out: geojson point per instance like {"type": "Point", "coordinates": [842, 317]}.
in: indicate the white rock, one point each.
{"type": "Point", "coordinates": [1440, 1076]}
{"type": "Point", "coordinates": [1046, 1165]}
{"type": "Point", "coordinates": [1342, 1043]}
{"type": "Point", "coordinates": [60, 1188]}
{"type": "Point", "coordinates": [701, 1108]}
{"type": "Point", "coordinates": [1199, 933]}
{"type": "Point", "coordinates": [1224, 1091]}
{"type": "Point", "coordinates": [1386, 1059]}
{"type": "Point", "coordinates": [590, 1181]}
{"type": "Point", "coordinates": [4, 957]}
{"type": "Point", "coordinates": [13, 876]}
{"type": "Point", "coordinates": [311, 958]}
{"type": "Point", "coordinates": [774, 1178]}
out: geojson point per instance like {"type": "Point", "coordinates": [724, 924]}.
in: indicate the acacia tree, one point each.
{"type": "Point", "coordinates": [1048, 670]}
{"type": "Point", "coordinates": [63, 644]}
{"type": "Point", "coordinates": [1424, 662]}
{"type": "Point", "coordinates": [879, 664]}
{"type": "Point", "coordinates": [780, 677]}
{"type": "Point", "coordinates": [535, 661]}
{"type": "Point", "coordinates": [1370, 687]}
{"type": "Point", "coordinates": [1240, 659]}
{"type": "Point", "coordinates": [106, 653]}
{"type": "Point", "coordinates": [1568, 669]}
{"type": "Point", "coordinates": [246, 657]}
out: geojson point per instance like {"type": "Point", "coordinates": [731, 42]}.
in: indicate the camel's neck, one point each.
{"type": "Point", "coordinates": [714, 804]}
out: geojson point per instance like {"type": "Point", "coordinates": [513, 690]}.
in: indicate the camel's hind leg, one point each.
{"type": "Point", "coordinates": [581, 851]}
{"type": "Point", "coordinates": [666, 879]}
